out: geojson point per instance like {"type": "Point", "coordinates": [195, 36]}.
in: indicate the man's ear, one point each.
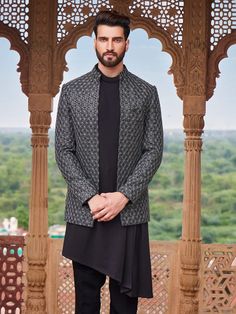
{"type": "Point", "coordinates": [127, 45]}
{"type": "Point", "coordinates": [94, 42]}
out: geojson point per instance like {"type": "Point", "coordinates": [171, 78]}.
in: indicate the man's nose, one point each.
{"type": "Point", "coordinates": [110, 45]}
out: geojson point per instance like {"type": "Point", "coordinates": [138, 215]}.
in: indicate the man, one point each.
{"type": "Point", "coordinates": [109, 143]}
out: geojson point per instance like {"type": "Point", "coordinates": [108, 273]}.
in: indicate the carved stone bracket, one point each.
{"type": "Point", "coordinates": [219, 53]}
{"type": "Point", "coordinates": [17, 44]}
{"type": "Point", "coordinates": [168, 45]}
{"type": "Point", "coordinates": [69, 42]}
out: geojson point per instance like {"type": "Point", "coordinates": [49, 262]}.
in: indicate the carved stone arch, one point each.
{"type": "Point", "coordinates": [153, 31]}
{"type": "Point", "coordinates": [19, 46]}
{"type": "Point", "coordinates": [219, 53]}
{"type": "Point", "coordinates": [69, 42]}
{"type": "Point", "coordinates": [168, 46]}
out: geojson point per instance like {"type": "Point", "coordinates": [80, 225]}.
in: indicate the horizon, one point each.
{"type": "Point", "coordinates": [165, 129]}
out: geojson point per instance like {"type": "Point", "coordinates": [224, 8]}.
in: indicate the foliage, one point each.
{"type": "Point", "coordinates": [165, 190]}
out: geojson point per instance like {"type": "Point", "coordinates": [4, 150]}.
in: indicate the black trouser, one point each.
{"type": "Point", "coordinates": [88, 283]}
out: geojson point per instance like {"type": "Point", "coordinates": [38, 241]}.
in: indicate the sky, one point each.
{"type": "Point", "coordinates": [144, 58]}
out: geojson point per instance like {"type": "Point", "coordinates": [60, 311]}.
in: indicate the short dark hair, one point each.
{"type": "Point", "coordinates": [112, 18]}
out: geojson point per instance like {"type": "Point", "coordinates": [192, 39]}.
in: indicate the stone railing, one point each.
{"type": "Point", "coordinates": [12, 274]}
{"type": "Point", "coordinates": [164, 259]}
{"type": "Point", "coordinates": [217, 286]}
{"type": "Point", "coordinates": [218, 279]}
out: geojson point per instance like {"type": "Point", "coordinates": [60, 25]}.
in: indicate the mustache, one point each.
{"type": "Point", "coordinates": [109, 52]}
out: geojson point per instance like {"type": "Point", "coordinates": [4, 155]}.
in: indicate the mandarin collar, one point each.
{"type": "Point", "coordinates": [97, 74]}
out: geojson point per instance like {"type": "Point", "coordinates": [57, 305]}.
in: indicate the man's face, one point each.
{"type": "Point", "coordinates": [110, 45]}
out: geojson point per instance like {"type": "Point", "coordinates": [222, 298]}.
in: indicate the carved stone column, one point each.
{"type": "Point", "coordinates": [190, 247]}
{"type": "Point", "coordinates": [40, 120]}
{"type": "Point", "coordinates": [42, 34]}
{"type": "Point", "coordinates": [195, 50]}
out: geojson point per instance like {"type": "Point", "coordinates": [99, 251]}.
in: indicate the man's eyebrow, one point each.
{"type": "Point", "coordinates": [116, 37]}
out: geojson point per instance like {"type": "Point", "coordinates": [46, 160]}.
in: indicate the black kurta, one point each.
{"type": "Point", "coordinates": [121, 253]}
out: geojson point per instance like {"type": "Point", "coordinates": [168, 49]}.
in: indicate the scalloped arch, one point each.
{"type": "Point", "coordinates": [168, 46]}
{"type": "Point", "coordinates": [218, 54]}
{"type": "Point", "coordinates": [19, 46]}
{"type": "Point", "coordinates": [153, 31]}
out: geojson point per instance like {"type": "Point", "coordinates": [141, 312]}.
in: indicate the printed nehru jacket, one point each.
{"type": "Point", "coordinates": [77, 148]}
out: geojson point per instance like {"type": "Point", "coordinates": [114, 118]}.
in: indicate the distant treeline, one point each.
{"type": "Point", "coordinates": [166, 189]}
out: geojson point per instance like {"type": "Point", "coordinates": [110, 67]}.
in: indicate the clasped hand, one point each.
{"type": "Point", "coordinates": [106, 206]}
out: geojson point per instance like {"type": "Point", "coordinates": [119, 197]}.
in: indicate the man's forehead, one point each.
{"type": "Point", "coordinates": [110, 31]}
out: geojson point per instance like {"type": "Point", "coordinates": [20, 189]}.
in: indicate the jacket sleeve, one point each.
{"type": "Point", "coordinates": [65, 154]}
{"type": "Point", "coordinates": [152, 151]}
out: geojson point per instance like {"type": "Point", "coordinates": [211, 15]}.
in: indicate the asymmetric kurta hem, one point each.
{"type": "Point", "coordinates": [120, 252]}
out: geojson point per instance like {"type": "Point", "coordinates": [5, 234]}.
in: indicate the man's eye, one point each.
{"type": "Point", "coordinates": [103, 39]}
{"type": "Point", "coordinates": [118, 40]}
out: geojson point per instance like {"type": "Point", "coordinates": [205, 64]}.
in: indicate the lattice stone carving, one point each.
{"type": "Point", "coordinates": [65, 295]}
{"type": "Point", "coordinates": [167, 14]}
{"type": "Point", "coordinates": [15, 13]}
{"type": "Point", "coordinates": [11, 269]}
{"type": "Point", "coordinates": [223, 20]}
{"type": "Point", "coordinates": [160, 281]}
{"type": "Point", "coordinates": [74, 12]}
{"type": "Point", "coordinates": [158, 304]}
{"type": "Point", "coordinates": [105, 298]}
{"type": "Point", "coordinates": [219, 279]}
{"type": "Point", "coordinates": [65, 299]}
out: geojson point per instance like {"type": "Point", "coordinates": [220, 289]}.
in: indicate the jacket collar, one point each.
{"type": "Point", "coordinates": [97, 73]}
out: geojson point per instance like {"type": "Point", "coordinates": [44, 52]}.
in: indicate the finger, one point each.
{"type": "Point", "coordinates": [100, 214]}
{"type": "Point", "coordinates": [107, 217]}
{"type": "Point", "coordinates": [96, 210]}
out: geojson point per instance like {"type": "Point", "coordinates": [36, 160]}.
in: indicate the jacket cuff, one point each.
{"type": "Point", "coordinates": [126, 193]}
{"type": "Point", "coordinates": [88, 197]}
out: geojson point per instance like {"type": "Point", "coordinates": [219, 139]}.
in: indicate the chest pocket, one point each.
{"type": "Point", "coordinates": [135, 114]}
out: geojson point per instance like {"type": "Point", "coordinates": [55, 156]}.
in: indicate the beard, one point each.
{"type": "Point", "coordinates": [110, 63]}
